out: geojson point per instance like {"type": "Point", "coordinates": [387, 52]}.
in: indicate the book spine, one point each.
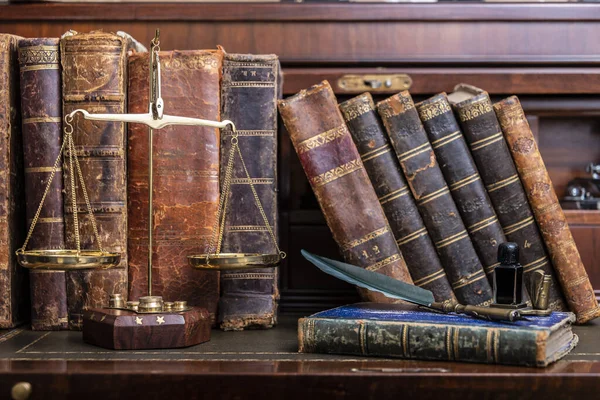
{"type": "Point", "coordinates": [547, 210]}
{"type": "Point", "coordinates": [186, 178]}
{"type": "Point", "coordinates": [249, 92]}
{"type": "Point", "coordinates": [395, 198]}
{"type": "Point", "coordinates": [434, 201]}
{"type": "Point", "coordinates": [462, 177]}
{"type": "Point", "coordinates": [499, 175]}
{"type": "Point", "coordinates": [420, 341]}
{"type": "Point", "coordinates": [41, 113]}
{"type": "Point", "coordinates": [14, 303]}
{"type": "Point", "coordinates": [94, 79]}
{"type": "Point", "coordinates": [341, 184]}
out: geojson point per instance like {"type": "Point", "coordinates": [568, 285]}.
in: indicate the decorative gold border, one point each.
{"type": "Point", "coordinates": [356, 108]}
{"type": "Point", "coordinates": [431, 110]}
{"type": "Point", "coordinates": [384, 262]}
{"type": "Point", "coordinates": [321, 139]}
{"type": "Point", "coordinates": [475, 109]}
{"type": "Point", "coordinates": [369, 236]}
{"type": "Point", "coordinates": [336, 173]}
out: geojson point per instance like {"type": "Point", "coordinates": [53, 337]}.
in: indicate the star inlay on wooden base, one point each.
{"type": "Point", "coordinates": [127, 330]}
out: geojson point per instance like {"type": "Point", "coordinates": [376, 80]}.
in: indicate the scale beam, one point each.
{"type": "Point", "coordinates": [149, 120]}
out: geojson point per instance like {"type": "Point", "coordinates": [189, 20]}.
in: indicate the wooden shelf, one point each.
{"type": "Point", "coordinates": [326, 12]}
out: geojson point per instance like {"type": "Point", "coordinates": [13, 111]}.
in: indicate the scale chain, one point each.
{"type": "Point", "coordinates": [222, 209]}
{"type": "Point", "coordinates": [46, 191]}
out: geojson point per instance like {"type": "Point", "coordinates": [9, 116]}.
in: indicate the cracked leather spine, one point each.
{"type": "Point", "coordinates": [341, 185]}
{"type": "Point", "coordinates": [250, 88]}
{"type": "Point", "coordinates": [547, 210]}
{"type": "Point", "coordinates": [434, 201]}
{"type": "Point", "coordinates": [94, 79]}
{"type": "Point", "coordinates": [499, 175]}
{"type": "Point", "coordinates": [14, 302]}
{"type": "Point", "coordinates": [41, 114]}
{"type": "Point", "coordinates": [463, 180]}
{"type": "Point", "coordinates": [186, 178]}
{"type": "Point", "coordinates": [395, 197]}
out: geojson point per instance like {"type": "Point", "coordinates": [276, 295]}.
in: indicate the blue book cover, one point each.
{"type": "Point", "coordinates": [404, 331]}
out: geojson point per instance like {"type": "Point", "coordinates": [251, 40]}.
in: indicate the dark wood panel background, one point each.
{"type": "Point", "coordinates": [549, 55]}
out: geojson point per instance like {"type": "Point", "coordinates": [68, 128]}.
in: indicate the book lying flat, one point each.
{"type": "Point", "coordinates": [404, 331]}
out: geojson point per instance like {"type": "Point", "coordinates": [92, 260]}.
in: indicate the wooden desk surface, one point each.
{"type": "Point", "coordinates": [255, 364]}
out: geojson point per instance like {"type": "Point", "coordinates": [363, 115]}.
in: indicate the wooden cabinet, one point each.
{"type": "Point", "coordinates": [548, 55]}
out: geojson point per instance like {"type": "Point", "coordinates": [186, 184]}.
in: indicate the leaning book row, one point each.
{"type": "Point", "coordinates": [41, 82]}
{"type": "Point", "coordinates": [426, 192]}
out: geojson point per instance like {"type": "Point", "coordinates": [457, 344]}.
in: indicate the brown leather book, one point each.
{"type": "Point", "coordinates": [462, 177]}
{"type": "Point", "coordinates": [249, 90]}
{"type": "Point", "coordinates": [14, 298]}
{"type": "Point", "coordinates": [432, 195]}
{"type": "Point", "coordinates": [41, 113]}
{"type": "Point", "coordinates": [94, 79]}
{"type": "Point", "coordinates": [186, 178]}
{"type": "Point", "coordinates": [547, 211]}
{"type": "Point", "coordinates": [395, 197]}
{"type": "Point", "coordinates": [497, 170]}
{"type": "Point", "coordinates": [341, 184]}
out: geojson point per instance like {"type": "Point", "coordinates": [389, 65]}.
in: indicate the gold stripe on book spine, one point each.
{"type": "Point", "coordinates": [432, 110]}
{"type": "Point", "coordinates": [504, 182]}
{"type": "Point", "coordinates": [432, 196]}
{"type": "Point", "coordinates": [468, 280]}
{"type": "Point", "coordinates": [386, 148]}
{"type": "Point", "coordinates": [400, 193]}
{"type": "Point", "coordinates": [35, 120]}
{"type": "Point", "coordinates": [452, 239]}
{"type": "Point", "coordinates": [365, 238]}
{"type": "Point", "coordinates": [322, 138]}
{"type": "Point", "coordinates": [384, 262]}
{"type": "Point", "coordinates": [336, 173]}
{"type": "Point", "coordinates": [464, 182]}
{"type": "Point", "coordinates": [412, 236]}
{"type": "Point", "coordinates": [475, 109]}
{"type": "Point", "coordinates": [446, 139]}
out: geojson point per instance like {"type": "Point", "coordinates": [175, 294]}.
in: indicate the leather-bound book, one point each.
{"type": "Point", "coordinates": [434, 201]}
{"type": "Point", "coordinates": [249, 91]}
{"type": "Point", "coordinates": [547, 210]}
{"type": "Point", "coordinates": [499, 175]}
{"type": "Point", "coordinates": [14, 302]}
{"type": "Point", "coordinates": [395, 197]}
{"type": "Point", "coordinates": [41, 114]}
{"type": "Point", "coordinates": [94, 79]}
{"type": "Point", "coordinates": [186, 178]}
{"type": "Point", "coordinates": [341, 184]}
{"type": "Point", "coordinates": [463, 180]}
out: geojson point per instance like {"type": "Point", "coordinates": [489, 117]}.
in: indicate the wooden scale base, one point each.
{"type": "Point", "coordinates": [120, 329]}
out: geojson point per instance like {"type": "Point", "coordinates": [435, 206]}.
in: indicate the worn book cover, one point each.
{"type": "Point", "coordinates": [94, 78]}
{"type": "Point", "coordinates": [395, 197]}
{"type": "Point", "coordinates": [547, 210]}
{"type": "Point", "coordinates": [186, 178]}
{"type": "Point", "coordinates": [14, 285]}
{"type": "Point", "coordinates": [483, 134]}
{"type": "Point", "coordinates": [41, 114]}
{"type": "Point", "coordinates": [434, 201]}
{"type": "Point", "coordinates": [462, 177]}
{"type": "Point", "coordinates": [341, 184]}
{"type": "Point", "coordinates": [405, 331]}
{"type": "Point", "coordinates": [250, 87]}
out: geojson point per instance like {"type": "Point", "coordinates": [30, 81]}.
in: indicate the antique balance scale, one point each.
{"type": "Point", "coordinates": [149, 322]}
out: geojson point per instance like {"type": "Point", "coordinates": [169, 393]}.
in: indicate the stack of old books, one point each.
{"type": "Point", "coordinates": [43, 80]}
{"type": "Point", "coordinates": [425, 193]}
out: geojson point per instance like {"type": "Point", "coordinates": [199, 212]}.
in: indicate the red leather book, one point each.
{"type": "Point", "coordinates": [94, 79]}
{"type": "Point", "coordinates": [186, 178]}
{"type": "Point", "coordinates": [341, 184]}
